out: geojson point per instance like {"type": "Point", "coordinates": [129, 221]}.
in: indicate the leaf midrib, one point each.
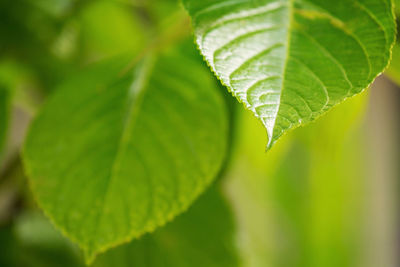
{"type": "Point", "coordinates": [288, 41]}
{"type": "Point", "coordinates": [135, 95]}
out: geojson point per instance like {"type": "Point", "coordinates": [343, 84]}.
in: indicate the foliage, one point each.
{"type": "Point", "coordinates": [130, 128]}
{"type": "Point", "coordinates": [125, 150]}
{"type": "Point", "coordinates": [280, 58]}
{"type": "Point", "coordinates": [4, 115]}
{"type": "Point", "coordinates": [33, 242]}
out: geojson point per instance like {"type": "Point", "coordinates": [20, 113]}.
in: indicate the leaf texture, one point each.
{"type": "Point", "coordinates": [112, 156]}
{"type": "Point", "coordinates": [290, 61]}
{"type": "Point", "coordinates": [203, 236]}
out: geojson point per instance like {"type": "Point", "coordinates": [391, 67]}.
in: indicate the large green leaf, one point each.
{"type": "Point", "coordinates": [289, 61]}
{"type": "Point", "coordinates": [112, 155]}
{"type": "Point", "coordinates": [203, 236]}
{"type": "Point", "coordinates": [4, 115]}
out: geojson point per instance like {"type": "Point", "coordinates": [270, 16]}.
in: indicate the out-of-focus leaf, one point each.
{"type": "Point", "coordinates": [394, 70]}
{"type": "Point", "coordinates": [121, 32]}
{"type": "Point", "coordinates": [161, 9]}
{"type": "Point", "coordinates": [116, 153]}
{"type": "Point", "coordinates": [19, 80]}
{"type": "Point", "coordinates": [27, 35]}
{"type": "Point", "coordinates": [204, 236]}
{"type": "Point", "coordinates": [5, 98]}
{"type": "Point", "coordinates": [56, 8]}
{"type": "Point", "coordinates": [38, 244]}
{"type": "Point", "coordinates": [290, 61]}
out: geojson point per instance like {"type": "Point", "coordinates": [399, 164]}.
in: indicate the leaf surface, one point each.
{"type": "Point", "coordinates": [290, 61]}
{"type": "Point", "coordinates": [203, 236]}
{"type": "Point", "coordinates": [112, 155]}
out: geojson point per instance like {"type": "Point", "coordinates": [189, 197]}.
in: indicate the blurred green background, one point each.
{"type": "Point", "coordinates": [326, 195]}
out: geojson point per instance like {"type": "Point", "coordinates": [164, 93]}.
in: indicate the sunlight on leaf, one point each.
{"type": "Point", "coordinates": [290, 61]}
{"type": "Point", "coordinates": [305, 197]}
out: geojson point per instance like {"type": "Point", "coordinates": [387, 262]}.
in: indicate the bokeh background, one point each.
{"type": "Point", "coordinates": [325, 195]}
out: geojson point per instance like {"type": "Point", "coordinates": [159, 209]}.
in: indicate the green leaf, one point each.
{"type": "Point", "coordinates": [290, 61]}
{"type": "Point", "coordinates": [203, 236]}
{"type": "Point", "coordinates": [4, 115]}
{"type": "Point", "coordinates": [35, 243]}
{"type": "Point", "coordinates": [115, 153]}
{"type": "Point", "coordinates": [121, 34]}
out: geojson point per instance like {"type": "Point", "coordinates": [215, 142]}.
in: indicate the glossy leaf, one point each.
{"type": "Point", "coordinates": [113, 156]}
{"type": "Point", "coordinates": [290, 61]}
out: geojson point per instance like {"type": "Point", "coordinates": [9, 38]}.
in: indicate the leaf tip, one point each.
{"type": "Point", "coordinates": [270, 144]}
{"type": "Point", "coordinates": [89, 256]}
